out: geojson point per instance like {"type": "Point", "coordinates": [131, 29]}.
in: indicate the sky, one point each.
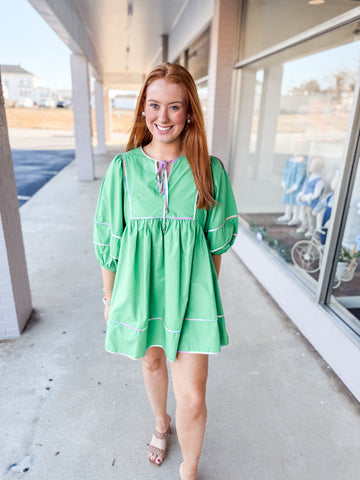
{"type": "Point", "coordinates": [322, 66]}
{"type": "Point", "coordinates": [26, 39]}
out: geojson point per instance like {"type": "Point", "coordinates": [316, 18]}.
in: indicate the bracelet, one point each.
{"type": "Point", "coordinates": [106, 302]}
{"type": "Point", "coordinates": [107, 291]}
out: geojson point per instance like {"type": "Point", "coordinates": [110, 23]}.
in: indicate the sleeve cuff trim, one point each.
{"type": "Point", "coordinates": [102, 223]}
{"type": "Point", "coordinates": [218, 228]}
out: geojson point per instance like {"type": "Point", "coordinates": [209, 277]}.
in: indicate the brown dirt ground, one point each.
{"type": "Point", "coordinates": [60, 119]}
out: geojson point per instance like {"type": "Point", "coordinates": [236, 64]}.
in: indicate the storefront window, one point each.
{"type": "Point", "coordinates": [346, 284]}
{"type": "Point", "coordinates": [294, 112]}
{"type": "Point", "coordinates": [268, 22]}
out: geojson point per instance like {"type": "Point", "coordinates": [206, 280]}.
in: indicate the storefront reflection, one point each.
{"type": "Point", "coordinates": [287, 170]}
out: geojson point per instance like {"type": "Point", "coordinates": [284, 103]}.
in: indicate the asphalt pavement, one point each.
{"type": "Point", "coordinates": [34, 168]}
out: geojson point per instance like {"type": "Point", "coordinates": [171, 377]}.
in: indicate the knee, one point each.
{"type": "Point", "coordinates": [192, 402]}
{"type": "Point", "coordinates": [153, 363]}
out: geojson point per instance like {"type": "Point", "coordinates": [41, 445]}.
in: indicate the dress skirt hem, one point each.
{"type": "Point", "coordinates": [160, 346]}
{"type": "Point", "coordinates": [196, 336]}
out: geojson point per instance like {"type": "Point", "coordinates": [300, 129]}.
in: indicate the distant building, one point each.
{"type": "Point", "coordinates": [19, 84]}
{"type": "Point", "coordinates": [125, 100]}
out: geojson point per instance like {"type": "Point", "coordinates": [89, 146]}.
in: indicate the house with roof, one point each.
{"type": "Point", "coordinates": [19, 84]}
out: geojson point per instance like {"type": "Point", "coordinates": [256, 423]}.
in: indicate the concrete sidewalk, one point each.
{"type": "Point", "coordinates": [71, 411]}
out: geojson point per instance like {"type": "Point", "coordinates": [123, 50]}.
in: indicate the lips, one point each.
{"type": "Point", "coordinates": [163, 129]}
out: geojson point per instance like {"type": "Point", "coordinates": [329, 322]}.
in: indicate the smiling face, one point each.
{"type": "Point", "coordinates": [165, 111]}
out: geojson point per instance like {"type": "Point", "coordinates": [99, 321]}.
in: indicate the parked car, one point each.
{"type": "Point", "coordinates": [47, 103]}
{"type": "Point", "coordinates": [63, 104]}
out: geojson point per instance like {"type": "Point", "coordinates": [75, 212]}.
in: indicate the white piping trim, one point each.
{"type": "Point", "coordinates": [222, 246]}
{"type": "Point", "coordinates": [160, 346]}
{"type": "Point", "coordinates": [200, 320]}
{"type": "Point", "coordinates": [144, 329]}
{"type": "Point", "coordinates": [160, 216]}
{"type": "Point", "coordinates": [196, 200]}
{"type": "Point", "coordinates": [102, 223]}
{"type": "Point", "coordinates": [218, 228]}
{"type": "Point", "coordinates": [199, 353]}
{"type": "Point", "coordinates": [127, 184]}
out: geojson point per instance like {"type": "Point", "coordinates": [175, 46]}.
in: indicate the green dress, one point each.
{"type": "Point", "coordinates": [147, 228]}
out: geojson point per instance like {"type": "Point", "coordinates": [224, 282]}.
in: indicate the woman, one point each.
{"type": "Point", "coordinates": [165, 214]}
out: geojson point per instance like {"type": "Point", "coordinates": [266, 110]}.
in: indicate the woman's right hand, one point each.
{"type": "Point", "coordinates": [106, 313]}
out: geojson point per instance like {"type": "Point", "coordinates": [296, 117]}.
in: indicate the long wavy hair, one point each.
{"type": "Point", "coordinates": [192, 138]}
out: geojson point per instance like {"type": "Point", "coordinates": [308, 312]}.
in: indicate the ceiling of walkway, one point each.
{"type": "Point", "coordinates": [121, 38]}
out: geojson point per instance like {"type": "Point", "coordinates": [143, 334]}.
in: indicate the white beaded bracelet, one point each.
{"type": "Point", "coordinates": [106, 302]}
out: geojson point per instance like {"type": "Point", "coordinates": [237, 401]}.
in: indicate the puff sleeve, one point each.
{"type": "Point", "coordinates": [222, 219]}
{"type": "Point", "coordinates": [109, 220]}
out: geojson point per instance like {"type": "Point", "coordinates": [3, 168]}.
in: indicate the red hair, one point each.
{"type": "Point", "coordinates": [192, 138]}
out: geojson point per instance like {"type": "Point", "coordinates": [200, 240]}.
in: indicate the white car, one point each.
{"type": "Point", "coordinates": [47, 103]}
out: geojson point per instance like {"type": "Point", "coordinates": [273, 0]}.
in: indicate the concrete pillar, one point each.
{"type": "Point", "coordinates": [82, 119]}
{"type": "Point", "coordinates": [222, 58]}
{"type": "Point", "coordinates": [107, 116]}
{"type": "Point", "coordinates": [100, 117]}
{"type": "Point", "coordinates": [241, 141]}
{"type": "Point", "coordinates": [15, 297]}
{"type": "Point", "coordinates": [269, 111]}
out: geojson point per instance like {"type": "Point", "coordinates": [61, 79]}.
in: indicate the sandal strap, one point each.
{"type": "Point", "coordinates": [157, 451]}
{"type": "Point", "coordinates": [161, 436]}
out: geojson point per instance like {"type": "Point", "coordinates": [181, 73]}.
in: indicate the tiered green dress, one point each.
{"type": "Point", "coordinates": [166, 292]}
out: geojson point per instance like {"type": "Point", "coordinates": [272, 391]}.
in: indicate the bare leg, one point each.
{"type": "Point", "coordinates": [189, 373]}
{"type": "Point", "coordinates": [156, 381]}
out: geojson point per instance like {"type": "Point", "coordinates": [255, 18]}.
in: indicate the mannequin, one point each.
{"type": "Point", "coordinates": [310, 195]}
{"type": "Point", "coordinates": [292, 182]}
{"type": "Point", "coordinates": [326, 204]}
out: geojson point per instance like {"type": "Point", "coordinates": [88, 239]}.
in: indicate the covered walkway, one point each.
{"type": "Point", "coordinates": [71, 411]}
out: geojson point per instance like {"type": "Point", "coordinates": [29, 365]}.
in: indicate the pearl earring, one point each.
{"type": "Point", "coordinates": [143, 114]}
{"type": "Point", "coordinates": [188, 120]}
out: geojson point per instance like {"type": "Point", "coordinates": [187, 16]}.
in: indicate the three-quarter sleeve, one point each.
{"type": "Point", "coordinates": [109, 216]}
{"type": "Point", "coordinates": [222, 219]}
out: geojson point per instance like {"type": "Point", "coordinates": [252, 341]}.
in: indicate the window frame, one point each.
{"type": "Point", "coordinates": [351, 154]}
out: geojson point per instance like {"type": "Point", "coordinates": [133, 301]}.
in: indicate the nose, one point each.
{"type": "Point", "coordinates": [163, 115]}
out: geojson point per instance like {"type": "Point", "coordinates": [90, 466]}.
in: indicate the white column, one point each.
{"type": "Point", "coordinates": [82, 119]}
{"type": "Point", "coordinates": [15, 297]}
{"type": "Point", "coordinates": [268, 115]}
{"type": "Point", "coordinates": [222, 58]}
{"type": "Point", "coordinates": [107, 116]}
{"type": "Point", "coordinates": [100, 117]}
{"type": "Point", "coordinates": [241, 141]}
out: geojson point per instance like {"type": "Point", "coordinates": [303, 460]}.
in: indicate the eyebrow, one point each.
{"type": "Point", "coordinates": [157, 101]}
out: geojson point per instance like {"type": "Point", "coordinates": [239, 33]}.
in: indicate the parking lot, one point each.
{"type": "Point", "coordinates": [37, 157]}
{"type": "Point", "coordinates": [34, 168]}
